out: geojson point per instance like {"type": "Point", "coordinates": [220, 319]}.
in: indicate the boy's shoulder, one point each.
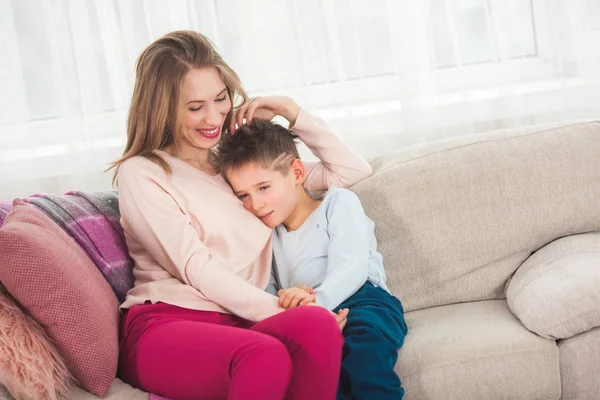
{"type": "Point", "coordinates": [339, 197]}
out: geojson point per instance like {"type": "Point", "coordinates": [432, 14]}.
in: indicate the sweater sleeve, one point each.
{"type": "Point", "coordinates": [339, 165]}
{"type": "Point", "coordinates": [348, 250]}
{"type": "Point", "coordinates": [158, 224]}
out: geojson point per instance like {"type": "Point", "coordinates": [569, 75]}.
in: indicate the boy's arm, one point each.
{"type": "Point", "coordinates": [273, 286]}
{"type": "Point", "coordinates": [348, 251]}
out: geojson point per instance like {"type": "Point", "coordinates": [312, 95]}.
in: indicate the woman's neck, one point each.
{"type": "Point", "coordinates": [200, 159]}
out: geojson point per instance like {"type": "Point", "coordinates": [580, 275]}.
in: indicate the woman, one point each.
{"type": "Point", "coordinates": [199, 324]}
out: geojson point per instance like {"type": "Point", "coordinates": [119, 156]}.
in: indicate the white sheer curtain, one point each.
{"type": "Point", "coordinates": [384, 73]}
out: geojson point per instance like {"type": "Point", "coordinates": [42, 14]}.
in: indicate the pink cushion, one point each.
{"type": "Point", "coordinates": [30, 365]}
{"type": "Point", "coordinates": [52, 277]}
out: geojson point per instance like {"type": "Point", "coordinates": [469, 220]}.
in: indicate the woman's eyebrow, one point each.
{"type": "Point", "coordinates": [202, 101]}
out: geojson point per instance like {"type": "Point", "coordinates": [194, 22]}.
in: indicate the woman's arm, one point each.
{"type": "Point", "coordinates": [340, 164]}
{"type": "Point", "coordinates": [153, 217]}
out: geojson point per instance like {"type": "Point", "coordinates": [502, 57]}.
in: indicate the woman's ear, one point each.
{"type": "Point", "coordinates": [299, 171]}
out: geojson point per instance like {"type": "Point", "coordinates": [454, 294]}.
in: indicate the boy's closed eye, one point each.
{"type": "Point", "coordinates": [261, 188]}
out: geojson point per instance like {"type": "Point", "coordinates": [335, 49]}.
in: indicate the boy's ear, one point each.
{"type": "Point", "coordinates": [299, 171]}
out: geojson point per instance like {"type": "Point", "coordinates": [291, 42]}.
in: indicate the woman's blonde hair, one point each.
{"type": "Point", "coordinates": [155, 114]}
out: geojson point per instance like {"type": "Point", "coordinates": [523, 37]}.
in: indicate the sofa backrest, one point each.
{"type": "Point", "coordinates": [455, 218]}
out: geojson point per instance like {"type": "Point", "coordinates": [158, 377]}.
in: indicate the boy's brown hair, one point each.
{"type": "Point", "coordinates": [262, 142]}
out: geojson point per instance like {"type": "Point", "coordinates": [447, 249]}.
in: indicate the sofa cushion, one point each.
{"type": "Point", "coordinates": [580, 366]}
{"type": "Point", "coordinates": [454, 219]}
{"type": "Point", "coordinates": [30, 365]}
{"type": "Point", "coordinates": [476, 351]}
{"type": "Point", "coordinates": [51, 276]}
{"type": "Point", "coordinates": [555, 293]}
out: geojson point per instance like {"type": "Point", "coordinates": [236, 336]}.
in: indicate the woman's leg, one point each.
{"type": "Point", "coordinates": [186, 354]}
{"type": "Point", "coordinates": [314, 341]}
{"type": "Point", "coordinates": [374, 332]}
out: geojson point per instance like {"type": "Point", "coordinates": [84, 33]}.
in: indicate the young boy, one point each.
{"type": "Point", "coordinates": [325, 252]}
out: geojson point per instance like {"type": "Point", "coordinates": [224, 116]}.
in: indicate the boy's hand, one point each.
{"type": "Point", "coordinates": [341, 317]}
{"type": "Point", "coordinates": [296, 296]}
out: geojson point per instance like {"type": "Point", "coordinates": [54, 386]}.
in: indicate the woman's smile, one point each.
{"type": "Point", "coordinates": [209, 133]}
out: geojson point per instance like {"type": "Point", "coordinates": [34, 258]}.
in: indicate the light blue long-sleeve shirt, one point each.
{"type": "Point", "coordinates": [334, 251]}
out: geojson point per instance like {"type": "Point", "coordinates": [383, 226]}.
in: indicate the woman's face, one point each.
{"type": "Point", "coordinates": [206, 105]}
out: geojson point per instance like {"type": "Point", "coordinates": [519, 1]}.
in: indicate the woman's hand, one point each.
{"type": "Point", "coordinates": [264, 108]}
{"type": "Point", "coordinates": [296, 296]}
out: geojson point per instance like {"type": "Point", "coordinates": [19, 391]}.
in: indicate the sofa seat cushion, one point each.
{"type": "Point", "coordinates": [555, 293]}
{"type": "Point", "coordinates": [118, 390]}
{"type": "Point", "coordinates": [476, 350]}
{"type": "Point", "coordinates": [580, 366]}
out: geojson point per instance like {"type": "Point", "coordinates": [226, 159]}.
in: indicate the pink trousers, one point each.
{"type": "Point", "coordinates": [179, 353]}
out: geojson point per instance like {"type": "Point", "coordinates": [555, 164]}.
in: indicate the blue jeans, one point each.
{"type": "Point", "coordinates": [374, 332]}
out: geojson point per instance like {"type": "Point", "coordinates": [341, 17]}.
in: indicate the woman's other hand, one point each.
{"type": "Point", "coordinates": [296, 296]}
{"type": "Point", "coordinates": [264, 108]}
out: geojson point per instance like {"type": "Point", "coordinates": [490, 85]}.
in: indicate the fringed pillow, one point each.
{"type": "Point", "coordinates": [30, 366]}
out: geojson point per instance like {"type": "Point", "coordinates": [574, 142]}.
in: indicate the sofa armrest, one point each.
{"type": "Point", "coordinates": [555, 292]}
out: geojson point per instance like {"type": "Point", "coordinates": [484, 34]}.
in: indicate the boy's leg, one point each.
{"type": "Point", "coordinates": [374, 332]}
{"type": "Point", "coordinates": [314, 342]}
{"type": "Point", "coordinates": [343, 391]}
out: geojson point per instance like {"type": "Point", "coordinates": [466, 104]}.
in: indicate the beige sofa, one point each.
{"type": "Point", "coordinates": [457, 222]}
{"type": "Point", "coordinates": [489, 242]}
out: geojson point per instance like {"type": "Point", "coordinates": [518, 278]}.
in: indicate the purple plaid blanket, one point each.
{"type": "Point", "coordinates": [92, 219]}
{"type": "Point", "coordinates": [5, 207]}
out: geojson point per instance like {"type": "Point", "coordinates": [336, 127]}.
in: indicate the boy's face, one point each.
{"type": "Point", "coordinates": [268, 193]}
